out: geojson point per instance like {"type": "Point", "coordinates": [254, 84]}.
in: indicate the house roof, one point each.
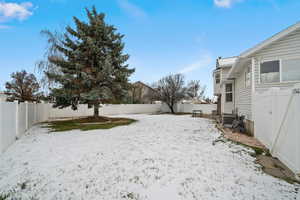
{"type": "Point", "coordinates": [226, 62]}
{"type": "Point", "coordinates": [270, 40]}
{"type": "Point", "coordinates": [145, 85]}
{"type": "Point", "coordinates": [248, 53]}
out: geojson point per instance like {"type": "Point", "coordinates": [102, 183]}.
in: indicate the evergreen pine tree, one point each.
{"type": "Point", "coordinates": [93, 66]}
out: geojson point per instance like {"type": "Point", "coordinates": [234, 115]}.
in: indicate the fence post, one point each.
{"type": "Point", "coordinates": [35, 112]}
{"type": "Point", "coordinates": [296, 92]}
{"type": "Point", "coordinates": [26, 115]}
{"type": "Point", "coordinates": [48, 110]}
{"type": "Point", "coordinates": [17, 118]}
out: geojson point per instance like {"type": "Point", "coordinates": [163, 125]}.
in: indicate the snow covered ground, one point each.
{"type": "Point", "coordinates": [161, 157]}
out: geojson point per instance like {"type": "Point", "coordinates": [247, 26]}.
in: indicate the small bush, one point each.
{"type": "Point", "coordinates": [4, 196]}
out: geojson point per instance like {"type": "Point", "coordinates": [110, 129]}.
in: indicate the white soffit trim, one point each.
{"type": "Point", "coordinates": [227, 62]}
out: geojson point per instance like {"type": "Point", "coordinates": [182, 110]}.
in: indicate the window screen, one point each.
{"type": "Point", "coordinates": [269, 72]}
{"type": "Point", "coordinates": [290, 70]}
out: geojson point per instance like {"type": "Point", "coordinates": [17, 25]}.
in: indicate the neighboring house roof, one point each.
{"type": "Point", "coordinates": [262, 45]}
{"type": "Point", "coordinates": [145, 85]}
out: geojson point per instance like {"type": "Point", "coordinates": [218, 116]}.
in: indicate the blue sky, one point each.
{"type": "Point", "coordinates": [162, 36]}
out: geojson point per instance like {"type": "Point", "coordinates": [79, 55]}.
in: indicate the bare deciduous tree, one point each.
{"type": "Point", "coordinates": [195, 90]}
{"type": "Point", "coordinates": [171, 90]}
{"type": "Point", "coordinates": [23, 87]}
{"type": "Point", "coordinates": [44, 66]}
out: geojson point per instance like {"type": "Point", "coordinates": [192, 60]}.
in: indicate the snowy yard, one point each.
{"type": "Point", "coordinates": [160, 157]}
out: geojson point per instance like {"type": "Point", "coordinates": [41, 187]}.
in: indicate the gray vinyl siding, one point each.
{"type": "Point", "coordinates": [286, 48]}
{"type": "Point", "coordinates": [243, 96]}
{"type": "Point", "coordinates": [224, 73]}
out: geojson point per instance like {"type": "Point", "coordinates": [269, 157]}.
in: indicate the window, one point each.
{"type": "Point", "coordinates": [269, 72]}
{"type": "Point", "coordinates": [217, 78]}
{"type": "Point", "coordinates": [228, 92]}
{"type": "Point", "coordinates": [248, 77]}
{"type": "Point", "coordinates": [290, 70]}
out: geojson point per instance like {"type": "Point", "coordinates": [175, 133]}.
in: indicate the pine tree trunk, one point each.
{"type": "Point", "coordinates": [96, 110]}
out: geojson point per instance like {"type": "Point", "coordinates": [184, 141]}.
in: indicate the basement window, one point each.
{"type": "Point", "coordinates": [269, 72]}
{"type": "Point", "coordinates": [228, 92]}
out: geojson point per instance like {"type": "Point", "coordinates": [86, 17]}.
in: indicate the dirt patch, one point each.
{"type": "Point", "coordinates": [241, 138]}
{"type": "Point", "coordinates": [270, 165]}
{"type": "Point", "coordinates": [276, 168]}
{"type": "Point", "coordinates": [88, 123]}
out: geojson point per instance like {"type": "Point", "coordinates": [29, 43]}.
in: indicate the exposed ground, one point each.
{"type": "Point", "coordinates": [160, 157]}
{"type": "Point", "coordinates": [87, 123]}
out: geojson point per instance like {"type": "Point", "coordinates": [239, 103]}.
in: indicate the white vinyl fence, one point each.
{"type": "Point", "coordinates": [119, 109]}
{"type": "Point", "coordinates": [115, 109]}
{"type": "Point", "coordinates": [277, 124]}
{"type": "Point", "coordinates": [16, 118]}
{"type": "Point", "coordinates": [188, 108]}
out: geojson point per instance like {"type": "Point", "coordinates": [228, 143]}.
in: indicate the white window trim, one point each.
{"type": "Point", "coordinates": [291, 58]}
{"type": "Point", "coordinates": [270, 60]}
{"type": "Point", "coordinates": [229, 93]}
{"type": "Point", "coordinates": [280, 69]}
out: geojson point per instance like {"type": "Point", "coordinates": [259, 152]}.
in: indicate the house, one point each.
{"type": "Point", "coordinates": [220, 74]}
{"type": "Point", "coordinates": [142, 93]}
{"type": "Point", "coordinates": [3, 96]}
{"type": "Point", "coordinates": [274, 62]}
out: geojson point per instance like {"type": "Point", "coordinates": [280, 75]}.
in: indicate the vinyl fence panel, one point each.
{"type": "Point", "coordinates": [276, 124]}
{"type": "Point", "coordinates": [7, 124]}
{"type": "Point", "coordinates": [22, 116]}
